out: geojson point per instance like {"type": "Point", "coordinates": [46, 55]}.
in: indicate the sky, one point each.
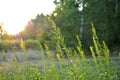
{"type": "Point", "coordinates": [14, 14]}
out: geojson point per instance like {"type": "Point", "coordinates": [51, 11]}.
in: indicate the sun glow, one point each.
{"type": "Point", "coordinates": [14, 14]}
{"type": "Point", "coordinates": [14, 27]}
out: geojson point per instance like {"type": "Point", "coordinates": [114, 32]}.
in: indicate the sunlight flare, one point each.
{"type": "Point", "coordinates": [15, 14]}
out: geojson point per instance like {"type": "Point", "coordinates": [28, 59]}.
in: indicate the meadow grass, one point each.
{"type": "Point", "coordinates": [64, 69]}
{"type": "Point", "coordinates": [75, 65]}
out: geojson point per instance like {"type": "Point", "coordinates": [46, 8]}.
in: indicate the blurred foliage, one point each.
{"type": "Point", "coordinates": [71, 15]}
{"type": "Point", "coordinates": [36, 28]}
{"type": "Point", "coordinates": [9, 45]}
{"type": "Point", "coordinates": [31, 44]}
{"type": "Point", "coordinates": [15, 44]}
{"type": "Point", "coordinates": [71, 18]}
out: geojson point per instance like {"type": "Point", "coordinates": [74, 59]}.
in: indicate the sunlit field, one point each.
{"type": "Point", "coordinates": [59, 64]}
{"type": "Point", "coordinates": [59, 39]}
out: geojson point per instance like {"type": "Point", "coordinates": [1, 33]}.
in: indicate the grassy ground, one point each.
{"type": "Point", "coordinates": [38, 66]}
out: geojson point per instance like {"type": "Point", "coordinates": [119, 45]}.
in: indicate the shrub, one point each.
{"type": "Point", "coordinates": [31, 44]}
{"type": "Point", "coordinates": [9, 45]}
{"type": "Point", "coordinates": [15, 44]}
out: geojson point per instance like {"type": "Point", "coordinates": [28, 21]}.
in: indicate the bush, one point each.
{"type": "Point", "coordinates": [15, 44]}
{"type": "Point", "coordinates": [31, 44]}
{"type": "Point", "coordinates": [9, 45]}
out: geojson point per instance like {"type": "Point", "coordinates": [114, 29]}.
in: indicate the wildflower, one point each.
{"type": "Point", "coordinates": [22, 45]}
{"type": "Point", "coordinates": [58, 56]}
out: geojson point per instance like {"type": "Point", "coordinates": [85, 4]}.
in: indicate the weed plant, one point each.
{"type": "Point", "coordinates": [75, 66]}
